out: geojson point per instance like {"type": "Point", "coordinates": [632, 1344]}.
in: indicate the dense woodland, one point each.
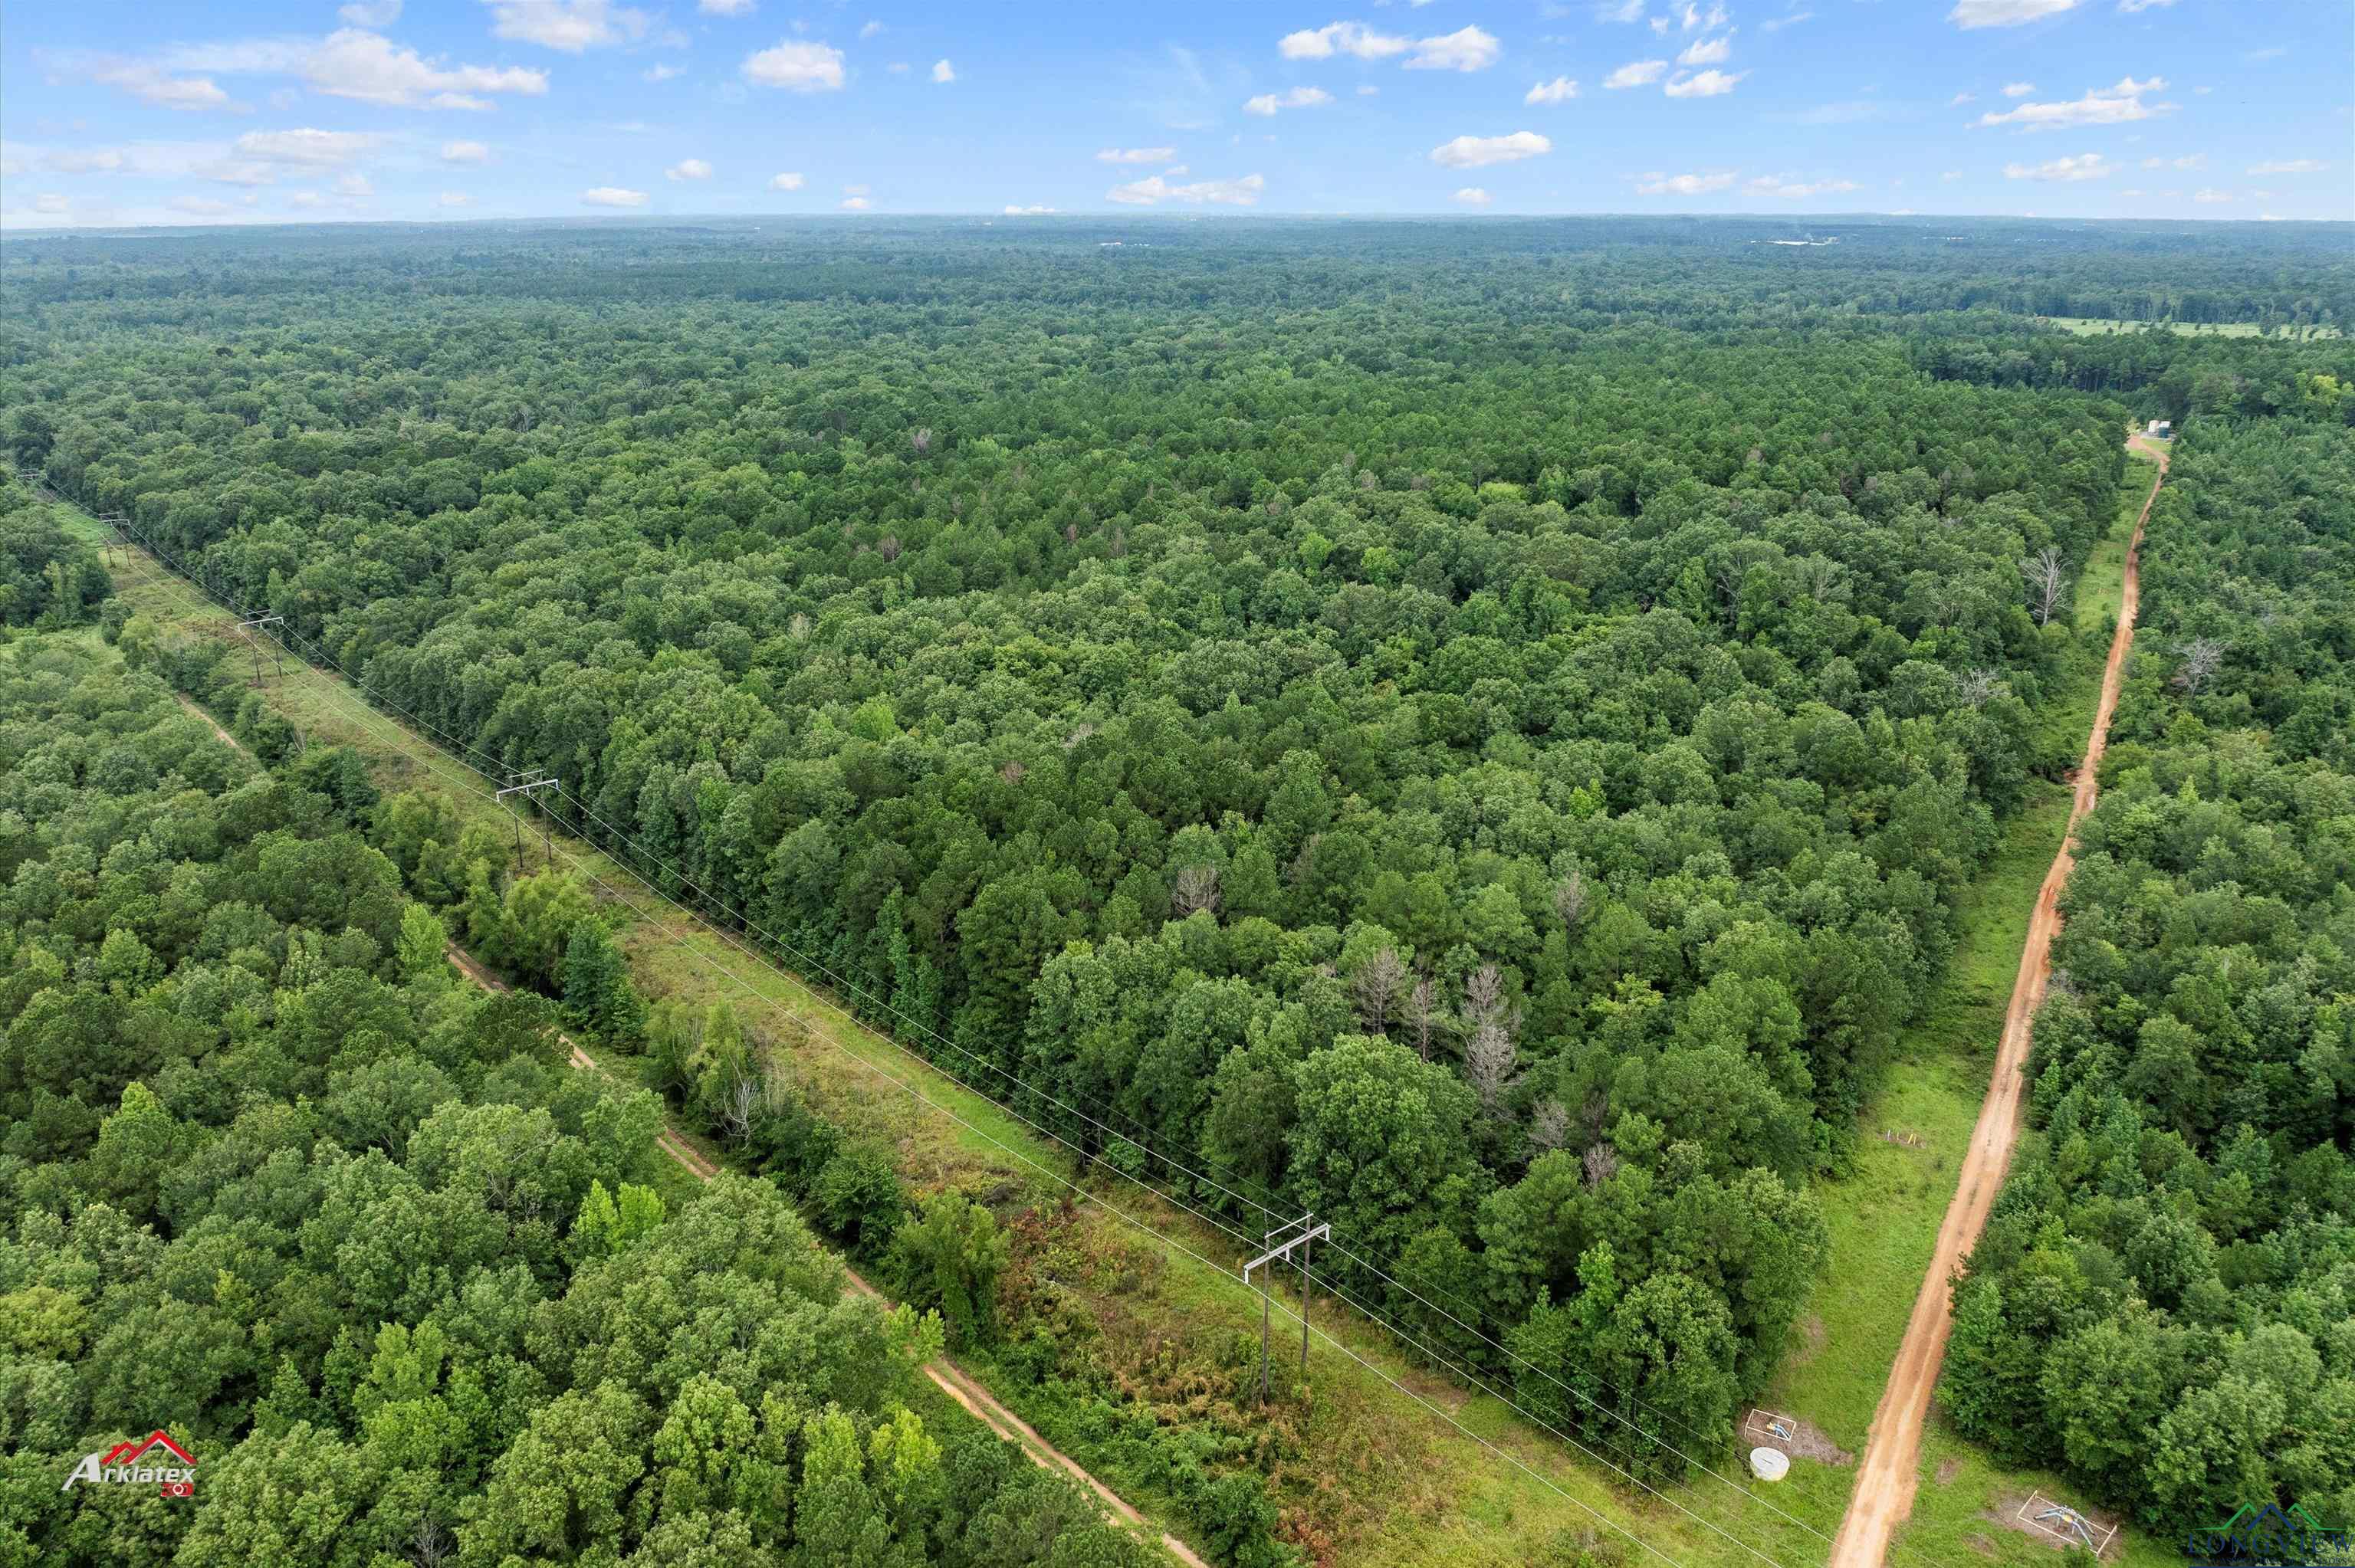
{"type": "Point", "coordinates": [1471, 730]}
{"type": "Point", "coordinates": [272, 1169]}
{"type": "Point", "coordinates": [2164, 1301]}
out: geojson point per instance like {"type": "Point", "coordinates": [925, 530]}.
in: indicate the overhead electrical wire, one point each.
{"type": "Point", "coordinates": [1381, 1316]}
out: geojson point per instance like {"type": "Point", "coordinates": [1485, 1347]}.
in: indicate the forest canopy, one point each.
{"type": "Point", "coordinates": [1476, 731]}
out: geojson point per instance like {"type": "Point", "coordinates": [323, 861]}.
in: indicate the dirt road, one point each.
{"type": "Point", "coordinates": [947, 1376]}
{"type": "Point", "coordinates": [1892, 1453]}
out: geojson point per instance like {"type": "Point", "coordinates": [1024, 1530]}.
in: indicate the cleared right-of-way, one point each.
{"type": "Point", "coordinates": [1886, 1478]}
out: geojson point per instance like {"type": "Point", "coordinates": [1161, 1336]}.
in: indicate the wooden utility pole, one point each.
{"type": "Point", "coordinates": [526, 787]}
{"type": "Point", "coordinates": [251, 626]}
{"type": "Point", "coordinates": [1308, 1231]}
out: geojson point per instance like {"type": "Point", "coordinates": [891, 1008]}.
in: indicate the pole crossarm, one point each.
{"type": "Point", "coordinates": [1284, 1251]}
{"type": "Point", "coordinates": [525, 785]}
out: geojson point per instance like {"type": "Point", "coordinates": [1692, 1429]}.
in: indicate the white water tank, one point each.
{"type": "Point", "coordinates": [1769, 1464]}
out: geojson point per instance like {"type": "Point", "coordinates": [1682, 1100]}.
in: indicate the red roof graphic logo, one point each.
{"type": "Point", "coordinates": [124, 1453]}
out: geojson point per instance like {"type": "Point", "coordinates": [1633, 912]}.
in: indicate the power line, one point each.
{"type": "Point", "coordinates": [1204, 1218]}
{"type": "Point", "coordinates": [1378, 1315]}
{"type": "Point", "coordinates": [917, 1093]}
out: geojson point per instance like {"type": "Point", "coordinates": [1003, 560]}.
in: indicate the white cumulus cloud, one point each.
{"type": "Point", "coordinates": [1154, 188]}
{"type": "Point", "coordinates": [166, 92]}
{"type": "Point", "coordinates": [1135, 154]}
{"type": "Point", "coordinates": [1708, 51]}
{"type": "Point", "coordinates": [2211, 193]}
{"type": "Point", "coordinates": [2018, 89]}
{"type": "Point", "coordinates": [854, 203]}
{"type": "Point", "coordinates": [1703, 84]}
{"type": "Point", "coordinates": [2289, 166]}
{"type": "Point", "coordinates": [2118, 104]}
{"type": "Point", "coordinates": [1473, 151]}
{"type": "Point", "coordinates": [373, 69]}
{"type": "Point", "coordinates": [1473, 195]}
{"type": "Point", "coordinates": [796, 66]}
{"type": "Point", "coordinates": [612, 195]}
{"type": "Point", "coordinates": [1341, 37]}
{"type": "Point", "coordinates": [370, 13]}
{"type": "Point", "coordinates": [569, 25]}
{"type": "Point", "coordinates": [943, 71]}
{"type": "Point", "coordinates": [465, 152]}
{"type": "Point", "coordinates": [1027, 211]}
{"type": "Point", "coordinates": [1637, 73]}
{"type": "Point", "coordinates": [1298, 97]}
{"type": "Point", "coordinates": [2006, 13]}
{"type": "Point", "coordinates": [308, 147]}
{"type": "Point", "coordinates": [1799, 190]}
{"type": "Point", "coordinates": [453, 199]}
{"type": "Point", "coordinates": [1467, 49]}
{"type": "Point", "coordinates": [689, 169]}
{"type": "Point", "coordinates": [785, 182]}
{"type": "Point", "coordinates": [2082, 166]}
{"type": "Point", "coordinates": [1560, 90]}
{"type": "Point", "coordinates": [725, 8]}
{"type": "Point", "coordinates": [1656, 184]}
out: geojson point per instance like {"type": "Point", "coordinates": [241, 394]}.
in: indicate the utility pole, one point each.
{"type": "Point", "coordinates": [537, 780]}
{"type": "Point", "coordinates": [1308, 1231]}
{"type": "Point", "coordinates": [251, 626]}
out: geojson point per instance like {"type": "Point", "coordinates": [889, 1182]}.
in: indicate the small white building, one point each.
{"type": "Point", "coordinates": [2161, 429]}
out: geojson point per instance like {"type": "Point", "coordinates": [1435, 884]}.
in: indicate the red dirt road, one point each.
{"type": "Point", "coordinates": [1892, 1453]}
{"type": "Point", "coordinates": [950, 1378]}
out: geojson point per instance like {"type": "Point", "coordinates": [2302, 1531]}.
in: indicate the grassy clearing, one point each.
{"type": "Point", "coordinates": [2103, 586]}
{"type": "Point", "coordinates": [1366, 1474]}
{"type": "Point", "coordinates": [2091, 326]}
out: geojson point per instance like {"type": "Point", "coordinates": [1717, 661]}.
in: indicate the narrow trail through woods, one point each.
{"type": "Point", "coordinates": [1890, 1470]}
{"type": "Point", "coordinates": [947, 1376]}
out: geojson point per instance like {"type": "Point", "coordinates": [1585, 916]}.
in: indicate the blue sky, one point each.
{"type": "Point", "coordinates": [275, 110]}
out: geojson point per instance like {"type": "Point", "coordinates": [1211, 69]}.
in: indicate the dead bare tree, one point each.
{"type": "Point", "coordinates": [2202, 658]}
{"type": "Point", "coordinates": [1423, 1014]}
{"type": "Point", "coordinates": [1377, 984]}
{"type": "Point", "coordinates": [1570, 898]}
{"type": "Point", "coordinates": [2047, 576]}
{"type": "Point", "coordinates": [1484, 996]}
{"type": "Point", "coordinates": [887, 546]}
{"type": "Point", "coordinates": [1548, 1127]}
{"type": "Point", "coordinates": [1488, 1062]}
{"type": "Point", "coordinates": [430, 1545]}
{"type": "Point", "coordinates": [1601, 1163]}
{"type": "Point", "coordinates": [1197, 890]}
{"type": "Point", "coordinates": [1489, 1028]}
{"type": "Point", "coordinates": [1981, 687]}
{"type": "Point", "coordinates": [741, 1107]}
{"type": "Point", "coordinates": [921, 439]}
